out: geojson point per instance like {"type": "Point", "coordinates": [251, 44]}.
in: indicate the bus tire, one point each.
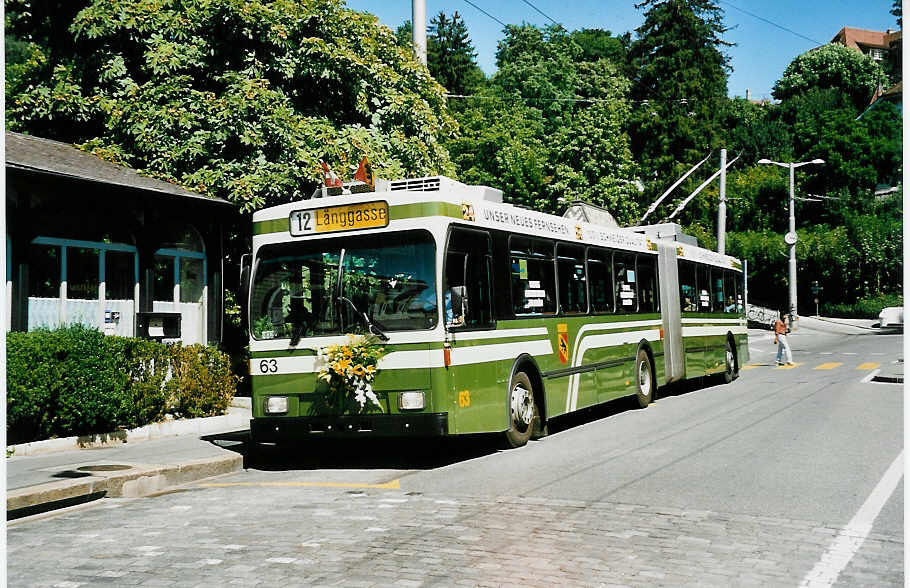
{"type": "Point", "coordinates": [522, 410]}
{"type": "Point", "coordinates": [644, 379]}
{"type": "Point", "coordinates": [730, 371]}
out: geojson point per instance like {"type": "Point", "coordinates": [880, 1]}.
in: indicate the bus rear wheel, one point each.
{"type": "Point", "coordinates": [644, 379]}
{"type": "Point", "coordinates": [730, 372]}
{"type": "Point", "coordinates": [522, 410]}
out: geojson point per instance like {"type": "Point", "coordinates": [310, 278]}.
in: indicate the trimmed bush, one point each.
{"type": "Point", "coordinates": [76, 381]}
{"type": "Point", "coordinates": [202, 383]}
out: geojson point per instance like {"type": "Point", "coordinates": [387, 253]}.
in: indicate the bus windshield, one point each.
{"type": "Point", "coordinates": [390, 277]}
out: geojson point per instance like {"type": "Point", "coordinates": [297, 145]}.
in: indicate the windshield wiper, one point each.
{"type": "Point", "coordinates": [371, 326]}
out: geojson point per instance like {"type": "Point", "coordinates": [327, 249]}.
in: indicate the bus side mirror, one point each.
{"type": "Point", "coordinates": [243, 295]}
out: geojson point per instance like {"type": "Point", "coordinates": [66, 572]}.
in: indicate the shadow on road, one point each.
{"type": "Point", "coordinates": [367, 454]}
{"type": "Point", "coordinates": [413, 453]}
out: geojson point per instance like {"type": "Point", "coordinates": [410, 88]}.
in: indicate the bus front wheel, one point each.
{"type": "Point", "coordinates": [522, 410]}
{"type": "Point", "coordinates": [644, 379]}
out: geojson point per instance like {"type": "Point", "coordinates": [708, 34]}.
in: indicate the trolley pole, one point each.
{"type": "Point", "coordinates": [419, 29]}
{"type": "Point", "coordinates": [722, 205]}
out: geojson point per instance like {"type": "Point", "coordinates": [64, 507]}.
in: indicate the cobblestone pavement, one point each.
{"type": "Point", "coordinates": [286, 535]}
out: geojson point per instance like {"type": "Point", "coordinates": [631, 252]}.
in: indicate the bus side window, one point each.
{"type": "Point", "coordinates": [572, 285]}
{"type": "Point", "coordinates": [600, 278]}
{"type": "Point", "coordinates": [729, 291]}
{"type": "Point", "coordinates": [703, 286]}
{"type": "Point", "coordinates": [626, 286]}
{"type": "Point", "coordinates": [467, 297]}
{"type": "Point", "coordinates": [533, 279]}
{"type": "Point", "coordinates": [717, 288]}
{"type": "Point", "coordinates": [647, 283]}
{"type": "Point", "coordinates": [688, 293]}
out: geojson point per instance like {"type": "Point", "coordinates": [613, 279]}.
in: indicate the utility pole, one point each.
{"type": "Point", "coordinates": [722, 205]}
{"type": "Point", "coordinates": [419, 28]}
{"type": "Point", "coordinates": [790, 238]}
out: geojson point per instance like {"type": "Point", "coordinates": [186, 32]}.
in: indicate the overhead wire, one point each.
{"type": "Point", "coordinates": [545, 15]}
{"type": "Point", "coordinates": [770, 22]}
{"type": "Point", "coordinates": [485, 12]}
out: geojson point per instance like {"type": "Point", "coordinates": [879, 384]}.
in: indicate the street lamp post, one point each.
{"type": "Point", "coordinates": [790, 238]}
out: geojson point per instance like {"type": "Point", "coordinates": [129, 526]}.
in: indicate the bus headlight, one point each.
{"type": "Point", "coordinates": [276, 404]}
{"type": "Point", "coordinates": [411, 400]}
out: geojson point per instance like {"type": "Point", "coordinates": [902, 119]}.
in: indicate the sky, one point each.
{"type": "Point", "coordinates": [758, 59]}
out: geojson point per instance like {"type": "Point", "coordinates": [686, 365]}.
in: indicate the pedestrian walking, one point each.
{"type": "Point", "coordinates": [780, 339]}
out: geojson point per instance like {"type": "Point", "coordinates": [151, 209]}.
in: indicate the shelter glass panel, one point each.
{"type": "Point", "coordinates": [82, 267]}
{"type": "Point", "coordinates": [119, 275]}
{"type": "Point", "coordinates": [44, 271]}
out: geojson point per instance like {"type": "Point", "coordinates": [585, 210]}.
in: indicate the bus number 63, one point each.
{"type": "Point", "coordinates": [268, 366]}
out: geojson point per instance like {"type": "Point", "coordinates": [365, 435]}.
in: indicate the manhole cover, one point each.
{"type": "Point", "coordinates": [104, 468]}
{"type": "Point", "coordinates": [70, 474]}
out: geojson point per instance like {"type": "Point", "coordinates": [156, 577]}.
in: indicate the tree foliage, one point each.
{"type": "Point", "coordinates": [550, 126]}
{"type": "Point", "coordinates": [832, 66]}
{"type": "Point", "coordinates": [238, 99]}
{"type": "Point", "coordinates": [680, 81]}
{"type": "Point", "coordinates": [450, 54]}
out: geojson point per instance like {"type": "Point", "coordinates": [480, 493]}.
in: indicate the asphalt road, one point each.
{"type": "Point", "coordinates": [782, 478]}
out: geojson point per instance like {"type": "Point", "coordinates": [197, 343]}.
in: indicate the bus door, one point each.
{"type": "Point", "coordinates": [671, 312]}
{"type": "Point", "coordinates": [468, 315]}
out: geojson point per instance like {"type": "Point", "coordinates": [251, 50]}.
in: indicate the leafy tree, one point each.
{"type": "Point", "coordinates": [753, 131]}
{"type": "Point", "coordinates": [538, 64]}
{"type": "Point", "coordinates": [550, 127]}
{"type": "Point", "coordinates": [451, 56]}
{"type": "Point", "coordinates": [237, 99]}
{"type": "Point", "coordinates": [502, 145]}
{"type": "Point", "coordinates": [832, 66]}
{"type": "Point", "coordinates": [898, 11]}
{"type": "Point", "coordinates": [404, 34]}
{"type": "Point", "coordinates": [599, 44]}
{"type": "Point", "coordinates": [680, 83]}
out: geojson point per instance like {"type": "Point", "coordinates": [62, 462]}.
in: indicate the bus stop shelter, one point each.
{"type": "Point", "coordinates": [94, 243]}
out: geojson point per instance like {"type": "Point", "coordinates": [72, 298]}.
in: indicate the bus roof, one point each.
{"type": "Point", "coordinates": [441, 199]}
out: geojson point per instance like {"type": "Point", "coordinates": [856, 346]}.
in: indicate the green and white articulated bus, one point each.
{"type": "Point", "coordinates": [494, 318]}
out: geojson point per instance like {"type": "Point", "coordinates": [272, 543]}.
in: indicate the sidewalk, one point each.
{"type": "Point", "coordinates": [148, 462]}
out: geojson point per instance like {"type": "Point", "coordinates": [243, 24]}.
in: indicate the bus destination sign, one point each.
{"type": "Point", "coordinates": [347, 217]}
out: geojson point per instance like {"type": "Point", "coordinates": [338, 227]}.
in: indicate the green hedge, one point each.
{"type": "Point", "coordinates": [77, 381]}
{"type": "Point", "coordinates": [864, 308]}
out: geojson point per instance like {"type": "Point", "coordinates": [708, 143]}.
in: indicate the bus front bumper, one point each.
{"type": "Point", "coordinates": [279, 429]}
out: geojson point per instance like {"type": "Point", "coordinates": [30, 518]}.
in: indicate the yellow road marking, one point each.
{"type": "Point", "coordinates": [393, 485]}
{"type": "Point", "coordinates": [752, 366]}
{"type": "Point", "coordinates": [869, 365]}
{"type": "Point", "coordinates": [788, 367]}
{"type": "Point", "coordinates": [829, 366]}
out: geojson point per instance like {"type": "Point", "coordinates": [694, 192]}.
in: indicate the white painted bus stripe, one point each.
{"type": "Point", "coordinates": [500, 334]}
{"type": "Point", "coordinates": [419, 358]}
{"type": "Point", "coordinates": [708, 331]}
{"type": "Point", "coordinates": [851, 537]}
{"type": "Point", "coordinates": [498, 351]}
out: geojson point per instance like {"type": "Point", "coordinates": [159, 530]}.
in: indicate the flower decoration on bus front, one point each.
{"type": "Point", "coordinates": [349, 371]}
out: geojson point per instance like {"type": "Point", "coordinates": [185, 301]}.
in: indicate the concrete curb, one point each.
{"type": "Point", "coordinates": [843, 323]}
{"type": "Point", "coordinates": [138, 480]}
{"type": "Point", "coordinates": [238, 417]}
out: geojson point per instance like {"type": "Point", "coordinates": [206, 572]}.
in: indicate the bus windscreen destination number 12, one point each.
{"type": "Point", "coordinates": [366, 215]}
